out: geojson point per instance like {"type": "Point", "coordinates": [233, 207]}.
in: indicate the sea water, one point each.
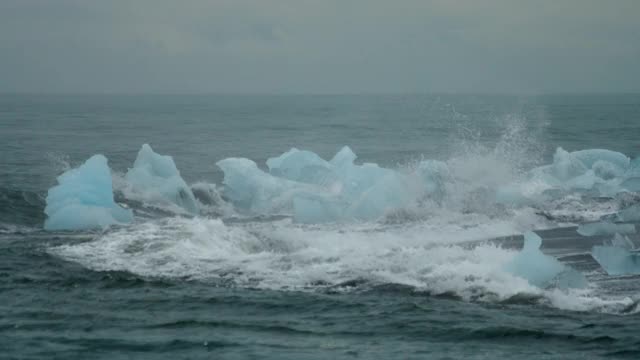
{"type": "Point", "coordinates": [401, 247]}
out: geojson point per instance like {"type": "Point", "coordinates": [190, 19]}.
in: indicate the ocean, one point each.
{"type": "Point", "coordinates": [426, 278]}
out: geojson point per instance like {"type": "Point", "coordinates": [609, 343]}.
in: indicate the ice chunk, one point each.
{"type": "Point", "coordinates": [301, 165]}
{"type": "Point", "coordinates": [254, 191]}
{"type": "Point", "coordinates": [586, 169]}
{"type": "Point", "coordinates": [617, 257]}
{"type": "Point", "coordinates": [315, 190]}
{"type": "Point", "coordinates": [158, 179]}
{"type": "Point", "coordinates": [83, 199]}
{"type": "Point", "coordinates": [605, 228]}
{"type": "Point", "coordinates": [631, 184]}
{"type": "Point", "coordinates": [593, 172]}
{"type": "Point", "coordinates": [629, 214]}
{"type": "Point", "coordinates": [606, 170]}
{"type": "Point", "coordinates": [343, 158]}
{"type": "Point", "coordinates": [388, 192]}
{"type": "Point", "coordinates": [542, 270]}
{"type": "Point", "coordinates": [567, 166]}
{"type": "Point", "coordinates": [592, 156]}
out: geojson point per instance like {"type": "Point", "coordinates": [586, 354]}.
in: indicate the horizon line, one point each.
{"type": "Point", "coordinates": [386, 93]}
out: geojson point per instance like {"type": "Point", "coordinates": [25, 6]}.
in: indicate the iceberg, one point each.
{"type": "Point", "coordinates": [83, 199]}
{"type": "Point", "coordinates": [593, 172]}
{"type": "Point", "coordinates": [605, 228]}
{"type": "Point", "coordinates": [618, 257]}
{"type": "Point", "coordinates": [157, 178]}
{"type": "Point", "coordinates": [314, 190]}
{"type": "Point", "coordinates": [311, 189]}
{"type": "Point", "coordinates": [302, 166]}
{"type": "Point", "coordinates": [542, 270]}
{"type": "Point", "coordinates": [253, 191]}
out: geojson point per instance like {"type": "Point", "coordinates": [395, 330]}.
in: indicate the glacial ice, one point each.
{"type": "Point", "coordinates": [83, 199]}
{"type": "Point", "coordinates": [593, 172]}
{"type": "Point", "coordinates": [542, 270]}
{"type": "Point", "coordinates": [618, 257]}
{"type": "Point", "coordinates": [254, 191]}
{"type": "Point", "coordinates": [629, 214]}
{"type": "Point", "coordinates": [315, 190]}
{"type": "Point", "coordinates": [300, 165]}
{"type": "Point", "coordinates": [605, 228]}
{"type": "Point", "coordinates": [158, 179]}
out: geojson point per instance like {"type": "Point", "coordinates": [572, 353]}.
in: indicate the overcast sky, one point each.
{"type": "Point", "coordinates": [319, 46]}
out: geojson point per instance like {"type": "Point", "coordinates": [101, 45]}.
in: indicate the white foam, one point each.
{"type": "Point", "coordinates": [281, 255]}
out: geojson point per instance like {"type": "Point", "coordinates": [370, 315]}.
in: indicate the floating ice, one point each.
{"type": "Point", "coordinates": [594, 172]}
{"type": "Point", "coordinates": [617, 257]}
{"type": "Point", "coordinates": [254, 191]}
{"type": "Point", "coordinates": [158, 179]}
{"type": "Point", "coordinates": [631, 213]}
{"type": "Point", "coordinates": [300, 165]}
{"type": "Point", "coordinates": [605, 228]}
{"type": "Point", "coordinates": [83, 199]}
{"type": "Point", "coordinates": [315, 190]}
{"type": "Point", "coordinates": [542, 270]}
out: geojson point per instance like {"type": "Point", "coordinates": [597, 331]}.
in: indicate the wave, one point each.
{"type": "Point", "coordinates": [20, 209]}
{"type": "Point", "coordinates": [434, 259]}
{"type": "Point", "coordinates": [303, 223]}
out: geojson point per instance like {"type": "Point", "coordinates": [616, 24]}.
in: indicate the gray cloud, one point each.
{"type": "Point", "coordinates": [304, 46]}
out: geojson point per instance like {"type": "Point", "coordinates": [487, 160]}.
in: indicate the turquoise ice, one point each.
{"type": "Point", "coordinates": [542, 270]}
{"type": "Point", "coordinates": [314, 190]}
{"type": "Point", "coordinates": [618, 257]}
{"type": "Point", "coordinates": [83, 199]}
{"type": "Point", "coordinates": [158, 179]}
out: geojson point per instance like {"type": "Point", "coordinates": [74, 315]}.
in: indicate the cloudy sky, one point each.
{"type": "Point", "coordinates": [319, 46]}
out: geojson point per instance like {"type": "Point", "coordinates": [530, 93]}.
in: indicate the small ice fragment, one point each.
{"type": "Point", "coordinates": [617, 257]}
{"type": "Point", "coordinates": [542, 270]}
{"type": "Point", "coordinates": [344, 157]}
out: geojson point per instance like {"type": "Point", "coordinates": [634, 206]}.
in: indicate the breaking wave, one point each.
{"type": "Point", "coordinates": [304, 223]}
{"type": "Point", "coordinates": [433, 259]}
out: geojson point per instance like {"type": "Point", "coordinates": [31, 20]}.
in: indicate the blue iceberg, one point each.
{"type": "Point", "coordinates": [311, 189]}
{"type": "Point", "coordinates": [593, 172]}
{"type": "Point", "coordinates": [542, 270]}
{"type": "Point", "coordinates": [157, 178]}
{"type": "Point", "coordinates": [253, 191]}
{"type": "Point", "coordinates": [300, 165]}
{"type": "Point", "coordinates": [618, 257]}
{"type": "Point", "coordinates": [314, 190]}
{"type": "Point", "coordinates": [605, 228]}
{"type": "Point", "coordinates": [83, 199]}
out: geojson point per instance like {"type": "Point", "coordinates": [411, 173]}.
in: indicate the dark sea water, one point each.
{"type": "Point", "coordinates": [421, 283]}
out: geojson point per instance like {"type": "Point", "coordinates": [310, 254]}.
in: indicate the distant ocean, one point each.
{"type": "Point", "coordinates": [417, 264]}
